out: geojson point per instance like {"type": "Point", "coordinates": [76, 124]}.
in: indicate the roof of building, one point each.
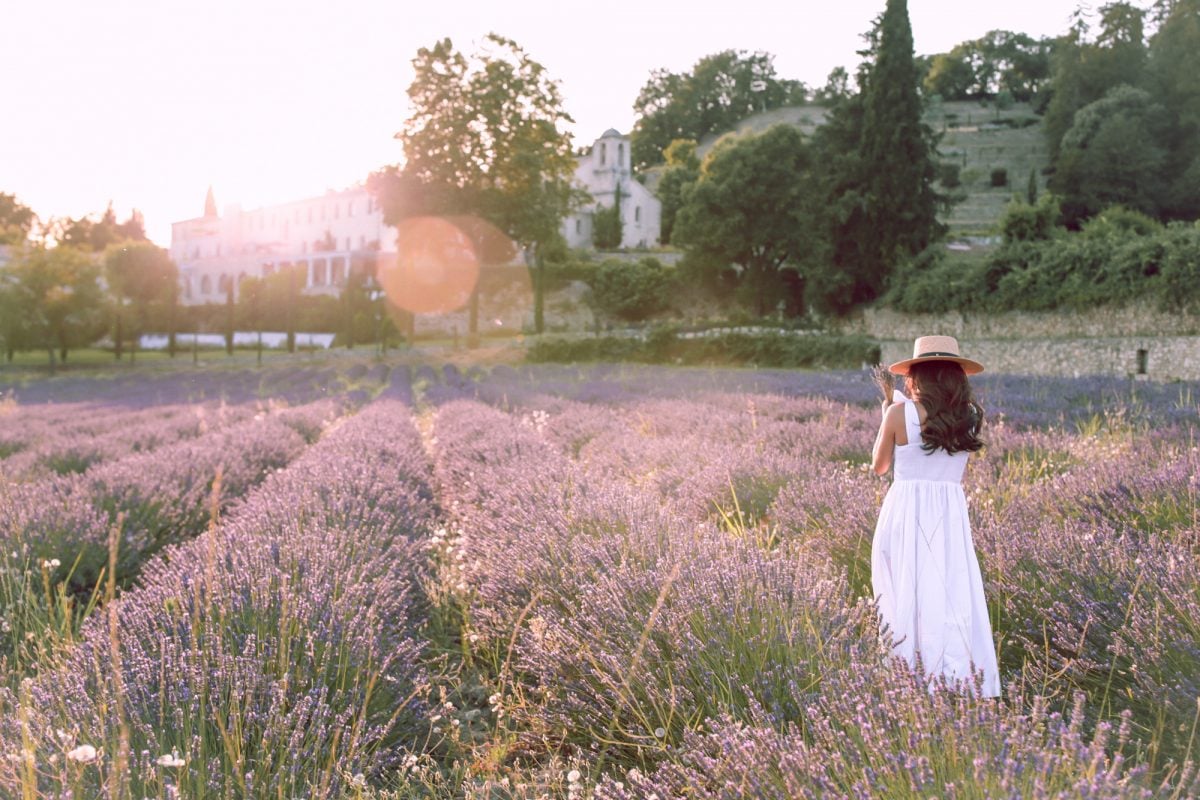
{"type": "Point", "coordinates": [611, 132]}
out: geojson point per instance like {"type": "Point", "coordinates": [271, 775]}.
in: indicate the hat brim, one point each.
{"type": "Point", "coordinates": [970, 367]}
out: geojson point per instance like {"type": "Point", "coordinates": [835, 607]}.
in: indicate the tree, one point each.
{"type": "Point", "coordinates": [97, 237]}
{"type": "Point", "coordinates": [144, 274]}
{"type": "Point", "coordinates": [836, 88]}
{"type": "Point", "coordinates": [1173, 62]}
{"type": "Point", "coordinates": [485, 140]}
{"type": "Point", "coordinates": [16, 220]}
{"type": "Point", "coordinates": [55, 299]}
{"type": "Point", "coordinates": [752, 206]}
{"type": "Point", "coordinates": [1113, 155]}
{"type": "Point", "coordinates": [682, 170]}
{"type": "Point", "coordinates": [607, 228]}
{"type": "Point", "coordinates": [879, 166]}
{"type": "Point", "coordinates": [1085, 70]}
{"type": "Point", "coordinates": [721, 90]}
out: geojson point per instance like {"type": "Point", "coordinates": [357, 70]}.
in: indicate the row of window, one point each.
{"type": "Point", "coordinates": [620, 154]}
{"type": "Point", "coordinates": [248, 220]}
{"type": "Point", "coordinates": [250, 247]}
{"type": "Point", "coordinates": [320, 272]}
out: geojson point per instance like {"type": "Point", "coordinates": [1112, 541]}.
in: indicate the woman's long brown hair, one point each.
{"type": "Point", "coordinates": [953, 417]}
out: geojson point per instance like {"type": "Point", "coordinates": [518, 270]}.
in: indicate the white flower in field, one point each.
{"type": "Point", "coordinates": [435, 717]}
{"type": "Point", "coordinates": [52, 563]}
{"type": "Point", "coordinates": [573, 776]}
{"type": "Point", "coordinates": [660, 732]}
{"type": "Point", "coordinates": [84, 754]}
{"type": "Point", "coordinates": [172, 760]}
{"type": "Point", "coordinates": [474, 637]}
{"type": "Point", "coordinates": [358, 781]}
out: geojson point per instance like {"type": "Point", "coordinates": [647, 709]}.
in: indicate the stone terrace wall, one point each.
{"type": "Point", "coordinates": [1130, 341]}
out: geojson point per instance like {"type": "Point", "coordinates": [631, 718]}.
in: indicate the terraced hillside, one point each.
{"type": "Point", "coordinates": [977, 137]}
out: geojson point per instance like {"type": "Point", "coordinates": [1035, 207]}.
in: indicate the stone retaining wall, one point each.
{"type": "Point", "coordinates": [1132, 320]}
{"type": "Point", "coordinates": [1162, 357]}
{"type": "Point", "coordinates": [1133, 341]}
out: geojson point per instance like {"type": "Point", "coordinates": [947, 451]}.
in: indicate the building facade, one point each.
{"type": "Point", "coordinates": [324, 237]}
{"type": "Point", "coordinates": [606, 172]}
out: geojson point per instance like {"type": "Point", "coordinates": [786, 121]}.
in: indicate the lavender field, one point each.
{"type": "Point", "coordinates": [366, 581]}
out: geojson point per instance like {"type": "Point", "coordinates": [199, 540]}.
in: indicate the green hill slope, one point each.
{"type": "Point", "coordinates": [977, 137]}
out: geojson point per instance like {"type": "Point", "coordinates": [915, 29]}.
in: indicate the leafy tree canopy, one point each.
{"type": "Point", "coordinates": [752, 206]}
{"type": "Point", "coordinates": [721, 90]}
{"type": "Point", "coordinates": [16, 220]}
{"type": "Point", "coordinates": [486, 138]}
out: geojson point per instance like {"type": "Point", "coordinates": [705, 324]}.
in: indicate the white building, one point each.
{"type": "Point", "coordinates": [325, 236]}
{"type": "Point", "coordinates": [605, 169]}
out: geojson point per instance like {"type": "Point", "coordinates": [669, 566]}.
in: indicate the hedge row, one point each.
{"type": "Point", "coordinates": [664, 346]}
{"type": "Point", "coordinates": [1106, 264]}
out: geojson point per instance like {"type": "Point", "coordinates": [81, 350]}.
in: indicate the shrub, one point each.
{"type": "Point", "coordinates": [631, 291]}
{"type": "Point", "coordinates": [948, 174]}
{"type": "Point", "coordinates": [999, 177]}
{"type": "Point", "coordinates": [606, 228]}
{"type": "Point", "coordinates": [1023, 222]}
{"type": "Point", "coordinates": [663, 345]}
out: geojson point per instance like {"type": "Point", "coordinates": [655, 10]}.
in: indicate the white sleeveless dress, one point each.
{"type": "Point", "coordinates": [924, 571]}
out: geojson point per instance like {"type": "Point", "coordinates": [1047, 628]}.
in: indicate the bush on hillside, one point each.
{"type": "Point", "coordinates": [631, 291]}
{"type": "Point", "coordinates": [948, 174]}
{"type": "Point", "coordinates": [1111, 264]}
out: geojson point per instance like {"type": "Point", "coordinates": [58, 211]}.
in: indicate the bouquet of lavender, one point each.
{"type": "Point", "coordinates": [885, 380]}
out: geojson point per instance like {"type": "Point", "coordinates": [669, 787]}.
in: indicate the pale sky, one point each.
{"type": "Point", "coordinates": [148, 102]}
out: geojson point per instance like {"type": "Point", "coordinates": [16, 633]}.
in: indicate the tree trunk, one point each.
{"type": "Point", "coordinates": [290, 313]}
{"type": "Point", "coordinates": [539, 291]}
{"type": "Point", "coordinates": [229, 319]}
{"type": "Point", "coordinates": [119, 334]}
{"type": "Point", "coordinates": [171, 323]}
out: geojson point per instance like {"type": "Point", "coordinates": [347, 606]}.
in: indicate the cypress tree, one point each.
{"type": "Point", "coordinates": [898, 153]}
{"type": "Point", "coordinates": [882, 165]}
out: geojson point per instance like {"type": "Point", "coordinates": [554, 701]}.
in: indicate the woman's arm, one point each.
{"type": "Point", "coordinates": [885, 440]}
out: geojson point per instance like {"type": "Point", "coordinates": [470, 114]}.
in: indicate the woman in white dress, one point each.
{"type": "Point", "coordinates": [924, 571]}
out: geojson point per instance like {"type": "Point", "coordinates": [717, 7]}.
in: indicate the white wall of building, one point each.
{"type": "Point", "coordinates": [605, 167]}
{"type": "Point", "coordinates": [325, 236]}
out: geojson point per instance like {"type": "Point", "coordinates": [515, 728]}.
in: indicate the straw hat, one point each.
{"type": "Point", "coordinates": [936, 348]}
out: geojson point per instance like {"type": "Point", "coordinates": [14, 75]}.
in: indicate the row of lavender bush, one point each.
{"type": "Point", "coordinates": [273, 656]}
{"type": "Point", "coordinates": [43, 440]}
{"type": "Point", "coordinates": [682, 587]}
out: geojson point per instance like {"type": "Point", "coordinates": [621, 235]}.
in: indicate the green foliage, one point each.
{"type": "Point", "coordinates": [682, 171]}
{"type": "Point", "coordinates": [51, 299]}
{"type": "Point", "coordinates": [1029, 222]}
{"type": "Point", "coordinates": [1031, 191]}
{"type": "Point", "coordinates": [1118, 221]}
{"type": "Point", "coordinates": [607, 228]}
{"type": "Point", "coordinates": [1121, 258]}
{"type": "Point", "coordinates": [1113, 154]}
{"type": "Point", "coordinates": [98, 236]}
{"type": "Point", "coordinates": [1003, 65]}
{"type": "Point", "coordinates": [721, 90]}
{"type": "Point", "coordinates": [879, 165]}
{"type": "Point", "coordinates": [16, 220]}
{"type": "Point", "coordinates": [631, 291]}
{"type": "Point", "coordinates": [486, 144]}
{"type": "Point", "coordinates": [949, 174]}
{"type": "Point", "coordinates": [1085, 70]}
{"type": "Point", "coordinates": [782, 350]}
{"type": "Point", "coordinates": [753, 206]}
